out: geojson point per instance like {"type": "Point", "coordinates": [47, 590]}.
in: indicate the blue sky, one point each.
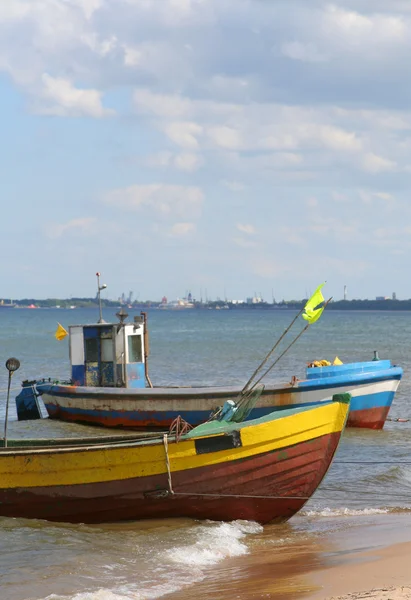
{"type": "Point", "coordinates": [233, 146]}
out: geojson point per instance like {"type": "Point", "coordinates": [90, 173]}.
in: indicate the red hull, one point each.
{"type": "Point", "coordinates": [266, 487]}
{"type": "Point", "coordinates": [370, 418]}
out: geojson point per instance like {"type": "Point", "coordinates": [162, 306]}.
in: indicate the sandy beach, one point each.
{"type": "Point", "coordinates": [382, 574]}
{"type": "Point", "coordinates": [392, 593]}
{"type": "Point", "coordinates": [365, 557]}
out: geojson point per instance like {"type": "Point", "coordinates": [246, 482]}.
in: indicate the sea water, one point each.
{"type": "Point", "coordinates": [368, 484]}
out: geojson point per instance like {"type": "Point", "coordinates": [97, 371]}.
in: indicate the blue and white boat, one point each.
{"type": "Point", "coordinates": [110, 386]}
{"type": "Point", "coordinates": [370, 405]}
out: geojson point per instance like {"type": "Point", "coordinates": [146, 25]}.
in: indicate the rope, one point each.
{"type": "Point", "coordinates": [260, 366]}
{"type": "Point", "coordinates": [370, 493]}
{"type": "Point", "coordinates": [13, 389]}
{"type": "Point", "coordinates": [281, 355]}
{"type": "Point", "coordinates": [165, 442]}
{"type": "Point", "coordinates": [51, 382]}
{"type": "Point", "coordinates": [370, 462]}
{"type": "Point", "coordinates": [317, 497]}
{"type": "Point", "coordinates": [241, 496]}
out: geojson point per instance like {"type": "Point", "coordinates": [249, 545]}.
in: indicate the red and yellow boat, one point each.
{"type": "Point", "coordinates": [263, 470]}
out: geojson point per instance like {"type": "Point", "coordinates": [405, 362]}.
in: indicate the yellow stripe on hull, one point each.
{"type": "Point", "coordinates": [82, 465]}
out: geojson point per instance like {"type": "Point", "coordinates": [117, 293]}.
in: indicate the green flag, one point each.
{"type": "Point", "coordinates": [313, 309]}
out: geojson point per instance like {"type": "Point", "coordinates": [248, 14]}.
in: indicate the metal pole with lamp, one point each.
{"type": "Point", "coordinates": [99, 288]}
{"type": "Point", "coordinates": [12, 364]}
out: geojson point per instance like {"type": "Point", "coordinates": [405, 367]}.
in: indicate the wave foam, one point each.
{"type": "Point", "coordinates": [187, 563]}
{"type": "Point", "coordinates": [344, 512]}
{"type": "Point", "coordinates": [215, 543]}
{"type": "Point", "coordinates": [96, 595]}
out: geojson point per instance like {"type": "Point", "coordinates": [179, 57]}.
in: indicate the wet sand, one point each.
{"type": "Point", "coordinates": [394, 593]}
{"type": "Point", "coordinates": [361, 557]}
{"type": "Point", "coordinates": [379, 573]}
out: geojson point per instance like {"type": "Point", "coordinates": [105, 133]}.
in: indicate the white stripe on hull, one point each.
{"type": "Point", "coordinates": [294, 396]}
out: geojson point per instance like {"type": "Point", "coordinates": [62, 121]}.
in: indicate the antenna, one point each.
{"type": "Point", "coordinates": [99, 288]}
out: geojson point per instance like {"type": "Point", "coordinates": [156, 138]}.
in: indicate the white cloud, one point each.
{"type": "Point", "coordinates": [163, 105]}
{"type": "Point", "coordinates": [312, 202]}
{"type": "Point", "coordinates": [185, 161]}
{"type": "Point", "coordinates": [89, 7]}
{"type": "Point", "coordinates": [234, 186]}
{"type": "Point", "coordinates": [376, 164]}
{"type": "Point", "coordinates": [132, 56]}
{"type": "Point", "coordinates": [82, 226]}
{"type": "Point", "coordinates": [167, 201]}
{"type": "Point", "coordinates": [353, 27]}
{"type": "Point", "coordinates": [384, 196]}
{"type": "Point", "coordinates": [160, 159]}
{"type": "Point", "coordinates": [258, 127]}
{"type": "Point", "coordinates": [61, 98]}
{"type": "Point", "coordinates": [10, 11]}
{"type": "Point", "coordinates": [244, 242]}
{"type": "Point", "coordinates": [188, 161]}
{"type": "Point", "coordinates": [246, 228]}
{"type": "Point", "coordinates": [332, 226]}
{"type": "Point", "coordinates": [293, 235]}
{"type": "Point", "coordinates": [182, 229]}
{"type": "Point", "coordinates": [204, 99]}
{"type": "Point", "coordinates": [281, 101]}
{"type": "Point", "coordinates": [225, 137]}
{"type": "Point", "coordinates": [268, 269]}
{"type": "Point", "coordinates": [184, 133]}
{"type": "Point", "coordinates": [368, 197]}
{"type": "Point", "coordinates": [336, 138]}
{"type": "Point", "coordinates": [304, 52]}
{"type": "Point", "coordinates": [340, 197]}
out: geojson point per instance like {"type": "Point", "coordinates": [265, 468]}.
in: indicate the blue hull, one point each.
{"type": "Point", "coordinates": [372, 395]}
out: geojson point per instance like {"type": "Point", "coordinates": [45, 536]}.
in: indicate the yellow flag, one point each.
{"type": "Point", "coordinates": [337, 361]}
{"type": "Point", "coordinates": [312, 310]}
{"type": "Point", "coordinates": [60, 332]}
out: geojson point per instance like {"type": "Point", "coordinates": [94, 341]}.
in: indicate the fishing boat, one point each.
{"type": "Point", "coordinates": [371, 403]}
{"type": "Point", "coordinates": [262, 470]}
{"type": "Point", "coordinates": [110, 385]}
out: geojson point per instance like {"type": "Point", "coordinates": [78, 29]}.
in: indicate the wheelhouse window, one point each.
{"type": "Point", "coordinates": [107, 354]}
{"type": "Point", "coordinates": [91, 350]}
{"type": "Point", "coordinates": [135, 352]}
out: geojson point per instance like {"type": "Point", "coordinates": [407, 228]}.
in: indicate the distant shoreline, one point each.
{"type": "Point", "coordinates": [73, 303]}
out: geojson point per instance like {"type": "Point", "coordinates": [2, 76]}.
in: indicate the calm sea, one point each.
{"type": "Point", "coordinates": [370, 477]}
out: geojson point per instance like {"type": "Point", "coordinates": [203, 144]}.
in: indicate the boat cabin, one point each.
{"type": "Point", "coordinates": [109, 354]}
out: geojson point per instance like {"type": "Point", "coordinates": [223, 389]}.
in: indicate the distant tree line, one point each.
{"type": "Point", "coordinates": [388, 304]}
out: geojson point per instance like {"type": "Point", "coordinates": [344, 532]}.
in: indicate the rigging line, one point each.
{"type": "Point", "coordinates": [241, 496]}
{"type": "Point", "coordinates": [260, 366]}
{"type": "Point", "coordinates": [370, 494]}
{"type": "Point", "coordinates": [370, 462]}
{"type": "Point", "coordinates": [359, 491]}
{"type": "Point", "coordinates": [281, 355]}
{"type": "Point", "coordinates": [287, 349]}
{"type": "Point", "coordinates": [314, 498]}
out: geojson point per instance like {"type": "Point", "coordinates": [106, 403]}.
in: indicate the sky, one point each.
{"type": "Point", "coordinates": [223, 147]}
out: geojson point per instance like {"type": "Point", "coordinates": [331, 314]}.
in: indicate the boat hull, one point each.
{"type": "Point", "coordinates": [372, 395]}
{"type": "Point", "coordinates": [369, 418]}
{"type": "Point", "coordinates": [236, 491]}
{"type": "Point", "coordinates": [268, 474]}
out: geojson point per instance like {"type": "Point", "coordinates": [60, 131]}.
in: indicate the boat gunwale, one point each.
{"type": "Point", "coordinates": [169, 393]}
{"type": "Point", "coordinates": [225, 428]}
